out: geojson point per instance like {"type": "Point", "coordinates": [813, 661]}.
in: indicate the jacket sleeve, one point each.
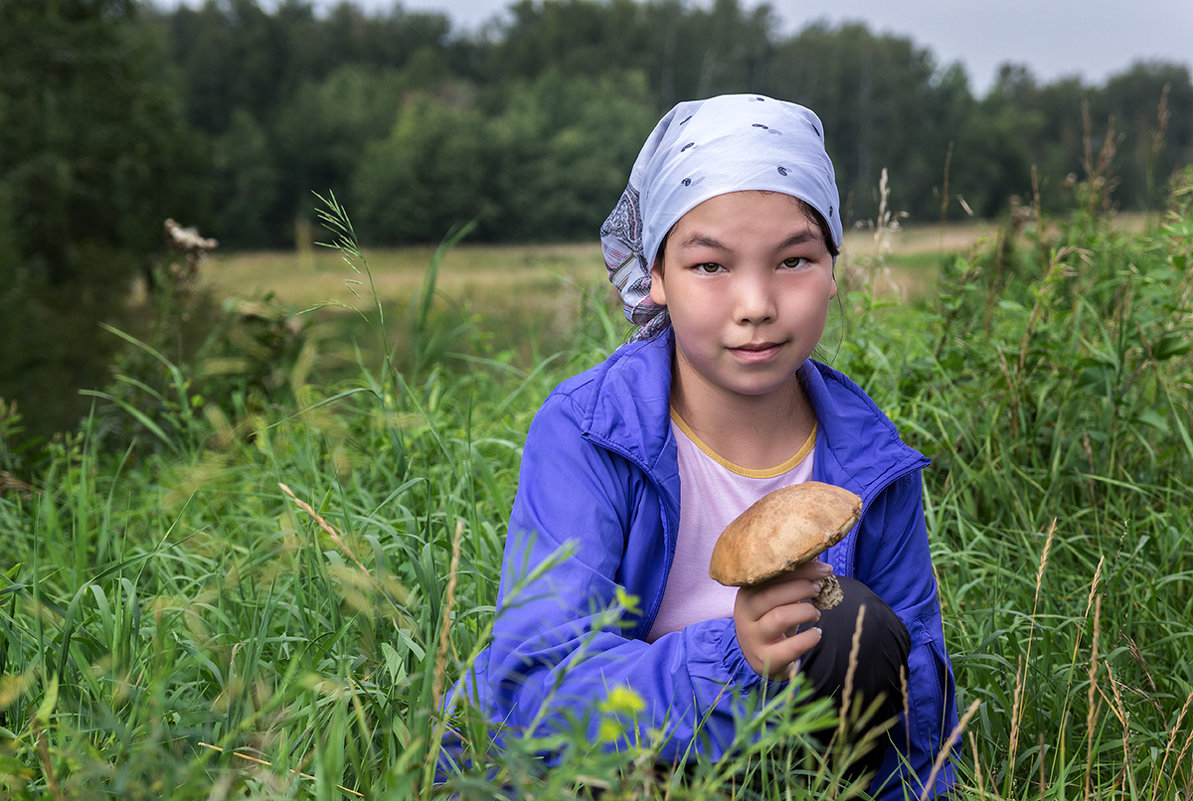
{"type": "Point", "coordinates": [584, 518]}
{"type": "Point", "coordinates": [893, 560]}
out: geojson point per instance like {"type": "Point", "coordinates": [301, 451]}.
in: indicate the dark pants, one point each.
{"type": "Point", "coordinates": [881, 662]}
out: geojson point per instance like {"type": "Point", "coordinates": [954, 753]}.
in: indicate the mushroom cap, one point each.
{"type": "Point", "coordinates": [782, 530]}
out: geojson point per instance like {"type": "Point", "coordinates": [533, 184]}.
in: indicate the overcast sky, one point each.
{"type": "Point", "coordinates": [1055, 38]}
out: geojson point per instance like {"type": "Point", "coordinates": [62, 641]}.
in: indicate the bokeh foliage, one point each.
{"type": "Point", "coordinates": [94, 155]}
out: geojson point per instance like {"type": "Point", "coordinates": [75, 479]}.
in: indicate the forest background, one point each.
{"type": "Point", "coordinates": [115, 115]}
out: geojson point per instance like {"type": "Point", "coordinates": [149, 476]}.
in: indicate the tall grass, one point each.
{"type": "Point", "coordinates": [273, 605]}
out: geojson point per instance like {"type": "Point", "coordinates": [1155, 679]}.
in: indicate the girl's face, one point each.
{"type": "Point", "coordinates": [747, 278]}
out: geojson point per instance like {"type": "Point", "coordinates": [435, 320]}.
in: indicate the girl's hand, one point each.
{"type": "Point", "coordinates": [768, 616]}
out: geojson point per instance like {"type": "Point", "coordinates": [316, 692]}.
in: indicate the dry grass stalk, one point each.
{"type": "Point", "coordinates": [445, 628]}
{"type": "Point", "coordinates": [944, 185]}
{"type": "Point", "coordinates": [885, 226]}
{"type": "Point", "coordinates": [1021, 672]}
{"type": "Point", "coordinates": [1098, 172]}
{"type": "Point", "coordinates": [10, 483]}
{"type": "Point", "coordinates": [906, 707]}
{"type": "Point", "coordinates": [439, 715]}
{"type": "Point", "coordinates": [1180, 760]}
{"type": "Point", "coordinates": [1092, 697]}
{"type": "Point", "coordinates": [953, 739]}
{"type": "Point", "coordinates": [1116, 701]}
{"type": "Point", "coordinates": [1016, 706]}
{"type": "Point", "coordinates": [1040, 571]}
{"type": "Point", "coordinates": [1089, 602]}
{"type": "Point", "coordinates": [1171, 742]}
{"type": "Point", "coordinates": [1041, 781]}
{"type": "Point", "coordinates": [1124, 718]}
{"type": "Point", "coordinates": [263, 763]}
{"type": "Point", "coordinates": [1137, 655]}
{"type": "Point", "coordinates": [1163, 116]}
{"type": "Point", "coordinates": [977, 765]}
{"type": "Point", "coordinates": [43, 756]}
{"type": "Point", "coordinates": [323, 524]}
{"type": "Point", "coordinates": [850, 672]}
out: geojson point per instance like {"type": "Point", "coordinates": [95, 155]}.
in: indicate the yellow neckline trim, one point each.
{"type": "Point", "coordinates": [769, 472]}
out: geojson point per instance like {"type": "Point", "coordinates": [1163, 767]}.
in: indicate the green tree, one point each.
{"type": "Point", "coordinates": [884, 104]}
{"type": "Point", "coordinates": [1149, 106]}
{"type": "Point", "coordinates": [294, 99]}
{"type": "Point", "coordinates": [575, 37]}
{"type": "Point", "coordinates": [531, 161]}
{"type": "Point", "coordinates": [996, 144]}
{"type": "Point", "coordinates": [685, 51]}
{"type": "Point", "coordinates": [265, 79]}
{"type": "Point", "coordinates": [229, 57]}
{"type": "Point", "coordinates": [712, 51]}
{"type": "Point", "coordinates": [246, 180]}
{"type": "Point", "coordinates": [94, 156]}
{"type": "Point", "coordinates": [427, 176]}
{"type": "Point", "coordinates": [566, 145]}
{"type": "Point", "coordinates": [321, 130]}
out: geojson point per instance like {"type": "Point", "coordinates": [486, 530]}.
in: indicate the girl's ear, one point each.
{"type": "Point", "coordinates": [657, 293]}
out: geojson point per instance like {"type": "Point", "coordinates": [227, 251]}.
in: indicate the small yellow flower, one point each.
{"type": "Point", "coordinates": [610, 730]}
{"type": "Point", "coordinates": [623, 701]}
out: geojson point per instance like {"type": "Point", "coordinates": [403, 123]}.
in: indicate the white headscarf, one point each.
{"type": "Point", "coordinates": [702, 149]}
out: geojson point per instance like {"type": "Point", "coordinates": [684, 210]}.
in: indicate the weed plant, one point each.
{"type": "Point", "coordinates": [273, 599]}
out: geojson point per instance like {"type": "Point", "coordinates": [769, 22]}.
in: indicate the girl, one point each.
{"type": "Point", "coordinates": [723, 247]}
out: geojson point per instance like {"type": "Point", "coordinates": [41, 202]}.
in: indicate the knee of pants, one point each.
{"type": "Point", "coordinates": [883, 647]}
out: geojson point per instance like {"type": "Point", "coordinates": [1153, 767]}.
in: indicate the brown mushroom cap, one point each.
{"type": "Point", "coordinates": [781, 531]}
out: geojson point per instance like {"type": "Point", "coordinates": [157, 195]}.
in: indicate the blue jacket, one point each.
{"type": "Point", "coordinates": [598, 500]}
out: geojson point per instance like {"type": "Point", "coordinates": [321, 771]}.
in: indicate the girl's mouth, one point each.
{"type": "Point", "coordinates": [754, 353]}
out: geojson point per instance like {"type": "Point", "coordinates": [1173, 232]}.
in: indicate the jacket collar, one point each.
{"type": "Point", "coordinates": [857, 447]}
{"type": "Point", "coordinates": [629, 413]}
{"type": "Point", "coordinates": [629, 410]}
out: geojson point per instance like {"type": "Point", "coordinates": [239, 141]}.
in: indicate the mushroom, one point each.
{"type": "Point", "coordinates": [782, 530]}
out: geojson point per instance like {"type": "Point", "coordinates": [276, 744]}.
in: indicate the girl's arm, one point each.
{"type": "Point", "coordinates": [562, 639]}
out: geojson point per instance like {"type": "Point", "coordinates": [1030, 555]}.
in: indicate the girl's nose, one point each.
{"type": "Point", "coordinates": [755, 299]}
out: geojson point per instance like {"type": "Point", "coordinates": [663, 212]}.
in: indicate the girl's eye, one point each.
{"type": "Point", "coordinates": [795, 262]}
{"type": "Point", "coordinates": [707, 268]}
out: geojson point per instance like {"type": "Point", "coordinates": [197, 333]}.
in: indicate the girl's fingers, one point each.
{"type": "Point", "coordinates": [791, 586]}
{"type": "Point", "coordinates": [783, 621]}
{"type": "Point", "coordinates": [775, 623]}
{"type": "Point", "coordinates": [777, 657]}
{"type": "Point", "coordinates": [783, 634]}
{"type": "Point", "coordinates": [759, 601]}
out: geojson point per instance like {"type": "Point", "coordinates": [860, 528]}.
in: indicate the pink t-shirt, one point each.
{"type": "Point", "coordinates": [713, 492]}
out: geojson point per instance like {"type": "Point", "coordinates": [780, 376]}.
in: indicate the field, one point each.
{"type": "Point", "coordinates": [527, 295]}
{"type": "Point", "coordinates": [253, 576]}
{"type": "Point", "coordinates": [494, 274]}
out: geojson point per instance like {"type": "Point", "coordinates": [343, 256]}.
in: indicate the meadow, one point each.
{"type": "Point", "coordinates": [527, 295]}
{"type": "Point", "coordinates": [260, 584]}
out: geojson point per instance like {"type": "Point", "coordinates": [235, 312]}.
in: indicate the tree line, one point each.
{"type": "Point", "coordinates": [116, 114]}
{"type": "Point", "coordinates": [530, 125]}
{"type": "Point", "coordinates": [239, 111]}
